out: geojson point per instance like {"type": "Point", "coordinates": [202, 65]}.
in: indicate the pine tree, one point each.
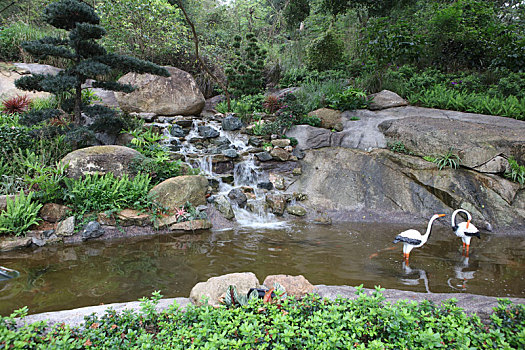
{"type": "Point", "coordinates": [89, 60]}
{"type": "Point", "coordinates": [245, 73]}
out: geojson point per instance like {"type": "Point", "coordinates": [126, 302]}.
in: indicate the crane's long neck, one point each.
{"type": "Point", "coordinates": [459, 211]}
{"type": "Point", "coordinates": [429, 227]}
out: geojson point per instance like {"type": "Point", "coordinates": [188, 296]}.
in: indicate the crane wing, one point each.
{"type": "Point", "coordinates": [410, 236]}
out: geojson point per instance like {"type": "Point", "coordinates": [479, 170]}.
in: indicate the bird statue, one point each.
{"type": "Point", "coordinates": [464, 230]}
{"type": "Point", "coordinates": [413, 239]}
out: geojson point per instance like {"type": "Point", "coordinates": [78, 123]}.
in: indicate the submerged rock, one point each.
{"type": "Point", "coordinates": [296, 210]}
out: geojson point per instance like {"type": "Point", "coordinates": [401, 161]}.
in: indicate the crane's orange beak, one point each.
{"type": "Point", "coordinates": [468, 223]}
{"type": "Point", "coordinates": [441, 215]}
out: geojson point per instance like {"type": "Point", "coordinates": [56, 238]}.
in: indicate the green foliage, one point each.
{"type": "Point", "coordinates": [509, 319]}
{"type": "Point", "coordinates": [295, 13]}
{"type": "Point", "coordinates": [516, 172]}
{"type": "Point", "coordinates": [89, 60]}
{"type": "Point", "coordinates": [349, 99]}
{"type": "Point", "coordinates": [399, 147]}
{"type": "Point", "coordinates": [315, 94]}
{"type": "Point", "coordinates": [148, 29]}
{"type": "Point", "coordinates": [245, 71]}
{"type": "Point", "coordinates": [285, 323]}
{"type": "Point", "coordinates": [244, 107]}
{"type": "Point", "coordinates": [325, 52]}
{"type": "Point", "coordinates": [441, 97]}
{"type": "Point", "coordinates": [46, 181]}
{"type": "Point", "coordinates": [20, 214]}
{"type": "Point", "coordinates": [448, 159]}
{"type": "Point", "coordinates": [99, 193]}
{"type": "Point", "coordinates": [310, 120]}
{"type": "Point", "coordinates": [15, 33]}
{"type": "Point", "coordinates": [157, 168]}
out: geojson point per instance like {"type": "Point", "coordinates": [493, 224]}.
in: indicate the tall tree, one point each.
{"type": "Point", "coordinates": [89, 60]}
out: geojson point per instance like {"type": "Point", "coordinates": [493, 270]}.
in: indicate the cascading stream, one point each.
{"type": "Point", "coordinates": [245, 173]}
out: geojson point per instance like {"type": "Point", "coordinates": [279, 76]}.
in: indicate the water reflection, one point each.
{"type": "Point", "coordinates": [412, 277]}
{"type": "Point", "coordinates": [461, 276]}
{"type": "Point", "coordinates": [6, 274]}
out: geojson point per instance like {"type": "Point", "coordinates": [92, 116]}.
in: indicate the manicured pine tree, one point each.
{"type": "Point", "coordinates": [89, 60]}
{"type": "Point", "coordinates": [245, 73]}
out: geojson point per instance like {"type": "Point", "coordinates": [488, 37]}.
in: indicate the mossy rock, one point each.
{"type": "Point", "coordinates": [101, 159]}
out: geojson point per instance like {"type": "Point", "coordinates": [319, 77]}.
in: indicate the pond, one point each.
{"type": "Point", "coordinates": [69, 276]}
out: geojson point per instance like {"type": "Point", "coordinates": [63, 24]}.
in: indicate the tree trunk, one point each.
{"type": "Point", "coordinates": [201, 61]}
{"type": "Point", "coordinates": [78, 104]}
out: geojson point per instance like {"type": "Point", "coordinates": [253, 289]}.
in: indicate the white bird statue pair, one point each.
{"type": "Point", "coordinates": [414, 239]}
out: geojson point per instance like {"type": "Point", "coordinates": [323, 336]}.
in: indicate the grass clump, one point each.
{"type": "Point", "coordinates": [516, 172]}
{"type": "Point", "coordinates": [310, 323]}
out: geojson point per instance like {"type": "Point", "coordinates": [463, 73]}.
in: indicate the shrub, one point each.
{"type": "Point", "coordinates": [310, 323]}
{"type": "Point", "coordinates": [349, 99]}
{"type": "Point", "coordinates": [325, 52]}
{"type": "Point", "coordinates": [99, 193]}
{"type": "Point", "coordinates": [245, 72]}
{"type": "Point", "coordinates": [272, 103]}
{"type": "Point", "coordinates": [20, 214]}
{"type": "Point", "coordinates": [16, 104]}
{"type": "Point", "coordinates": [314, 94]}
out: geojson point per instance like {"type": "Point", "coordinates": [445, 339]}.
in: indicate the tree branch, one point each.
{"type": "Point", "coordinates": [199, 58]}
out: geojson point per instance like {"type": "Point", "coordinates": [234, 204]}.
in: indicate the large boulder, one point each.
{"type": "Point", "coordinates": [330, 118]}
{"type": "Point", "coordinates": [176, 191]}
{"type": "Point", "coordinates": [10, 73]}
{"type": "Point", "coordinates": [176, 95]}
{"type": "Point", "coordinates": [399, 186]}
{"type": "Point", "coordinates": [296, 286]}
{"type": "Point", "coordinates": [479, 145]}
{"type": "Point", "coordinates": [102, 160]}
{"type": "Point", "coordinates": [215, 287]}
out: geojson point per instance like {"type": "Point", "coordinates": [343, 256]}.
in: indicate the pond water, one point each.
{"type": "Point", "coordinates": [69, 276]}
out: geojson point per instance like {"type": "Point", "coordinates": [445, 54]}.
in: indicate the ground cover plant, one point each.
{"type": "Point", "coordinates": [309, 323]}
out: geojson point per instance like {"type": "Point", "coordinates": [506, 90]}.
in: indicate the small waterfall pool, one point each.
{"type": "Point", "coordinates": [70, 276]}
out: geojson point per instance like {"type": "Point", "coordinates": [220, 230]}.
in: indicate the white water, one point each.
{"type": "Point", "coordinates": [245, 173]}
